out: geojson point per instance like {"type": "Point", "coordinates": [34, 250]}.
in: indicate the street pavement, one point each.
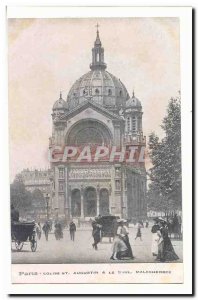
{"type": "Point", "coordinates": [81, 251]}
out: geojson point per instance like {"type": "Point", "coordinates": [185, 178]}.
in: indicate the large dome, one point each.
{"type": "Point", "coordinates": [100, 87]}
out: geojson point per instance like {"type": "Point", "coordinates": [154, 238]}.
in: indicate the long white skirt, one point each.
{"type": "Point", "coordinates": [118, 245]}
{"type": "Point", "coordinates": [154, 245]}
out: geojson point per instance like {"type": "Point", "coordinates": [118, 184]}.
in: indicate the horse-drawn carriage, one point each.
{"type": "Point", "coordinates": [109, 226]}
{"type": "Point", "coordinates": [22, 232]}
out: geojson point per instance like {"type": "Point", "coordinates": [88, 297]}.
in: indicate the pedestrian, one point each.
{"type": "Point", "coordinates": [38, 230]}
{"type": "Point", "coordinates": [120, 250]}
{"type": "Point", "coordinates": [46, 229]}
{"type": "Point", "coordinates": [58, 232]}
{"type": "Point", "coordinates": [96, 234]}
{"type": "Point", "coordinates": [166, 251]}
{"type": "Point", "coordinates": [72, 230]}
{"type": "Point", "coordinates": [156, 235]}
{"type": "Point", "coordinates": [139, 233]}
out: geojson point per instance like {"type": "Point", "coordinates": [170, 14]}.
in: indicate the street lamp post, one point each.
{"type": "Point", "coordinates": [47, 204]}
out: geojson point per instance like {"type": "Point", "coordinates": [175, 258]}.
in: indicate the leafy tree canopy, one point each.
{"type": "Point", "coordinates": [165, 174]}
{"type": "Point", "coordinates": [20, 197]}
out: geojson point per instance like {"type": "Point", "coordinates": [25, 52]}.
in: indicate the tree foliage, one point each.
{"type": "Point", "coordinates": [20, 197]}
{"type": "Point", "coordinates": [165, 154]}
{"type": "Point", "coordinates": [38, 199]}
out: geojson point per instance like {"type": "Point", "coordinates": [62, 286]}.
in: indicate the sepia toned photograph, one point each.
{"type": "Point", "coordinates": [98, 176]}
{"type": "Point", "coordinates": [95, 143]}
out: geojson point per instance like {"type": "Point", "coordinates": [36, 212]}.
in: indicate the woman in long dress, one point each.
{"type": "Point", "coordinates": [121, 245]}
{"type": "Point", "coordinates": [156, 235]}
{"type": "Point", "coordinates": [168, 252]}
{"type": "Point", "coordinates": [119, 248]}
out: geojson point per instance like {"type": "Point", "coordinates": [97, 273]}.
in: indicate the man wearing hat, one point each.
{"type": "Point", "coordinates": [96, 234]}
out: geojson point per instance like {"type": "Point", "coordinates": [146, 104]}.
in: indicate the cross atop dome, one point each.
{"type": "Point", "coordinates": [97, 26]}
{"type": "Point", "coordinates": [98, 53]}
{"type": "Point", "coordinates": [97, 41]}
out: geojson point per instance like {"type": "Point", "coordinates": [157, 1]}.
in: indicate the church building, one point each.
{"type": "Point", "coordinates": [98, 112]}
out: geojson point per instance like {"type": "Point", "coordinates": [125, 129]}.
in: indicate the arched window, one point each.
{"type": "Point", "coordinates": [96, 91]}
{"type": "Point", "coordinates": [97, 57]}
{"type": "Point", "coordinates": [75, 203]}
{"type": "Point", "coordinates": [134, 124]}
{"type": "Point", "coordinates": [109, 92]}
{"type": "Point", "coordinates": [120, 93]}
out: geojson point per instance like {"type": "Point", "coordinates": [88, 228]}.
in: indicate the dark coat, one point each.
{"type": "Point", "coordinates": [46, 227]}
{"type": "Point", "coordinates": [72, 226]}
{"type": "Point", "coordinates": [96, 231]}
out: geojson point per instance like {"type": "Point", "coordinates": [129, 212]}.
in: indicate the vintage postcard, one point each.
{"type": "Point", "coordinates": [96, 141]}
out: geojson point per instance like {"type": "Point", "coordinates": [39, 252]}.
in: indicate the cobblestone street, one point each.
{"type": "Point", "coordinates": [81, 251]}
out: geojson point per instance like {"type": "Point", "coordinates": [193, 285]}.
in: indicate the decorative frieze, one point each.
{"type": "Point", "coordinates": [89, 174]}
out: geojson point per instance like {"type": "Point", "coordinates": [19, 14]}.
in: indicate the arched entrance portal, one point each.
{"type": "Point", "coordinates": [104, 202]}
{"type": "Point", "coordinates": [75, 203]}
{"type": "Point", "coordinates": [90, 202]}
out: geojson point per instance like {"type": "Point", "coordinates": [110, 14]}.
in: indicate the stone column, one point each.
{"type": "Point", "coordinates": [97, 199]}
{"type": "Point", "coordinates": [70, 212]}
{"type": "Point", "coordinates": [117, 134]}
{"type": "Point", "coordinates": [56, 200]}
{"type": "Point", "coordinates": [68, 203]}
{"type": "Point", "coordinates": [82, 203]}
{"type": "Point", "coordinates": [110, 198]}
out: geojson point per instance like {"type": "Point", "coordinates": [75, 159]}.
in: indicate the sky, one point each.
{"type": "Point", "coordinates": [49, 55]}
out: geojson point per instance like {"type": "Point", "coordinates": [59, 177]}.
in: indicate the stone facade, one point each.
{"type": "Point", "coordinates": [98, 111]}
{"type": "Point", "coordinates": [37, 179]}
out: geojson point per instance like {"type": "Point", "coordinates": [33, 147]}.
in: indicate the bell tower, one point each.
{"type": "Point", "coordinates": [98, 54]}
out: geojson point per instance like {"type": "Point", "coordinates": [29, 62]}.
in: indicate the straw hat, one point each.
{"type": "Point", "coordinates": [160, 219]}
{"type": "Point", "coordinates": [121, 221]}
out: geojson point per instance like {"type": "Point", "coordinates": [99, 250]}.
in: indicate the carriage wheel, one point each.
{"type": "Point", "coordinates": [19, 245]}
{"type": "Point", "coordinates": [33, 243]}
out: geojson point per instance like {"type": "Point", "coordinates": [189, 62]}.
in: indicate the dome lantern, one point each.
{"type": "Point", "coordinates": [98, 85]}
{"type": "Point", "coordinates": [133, 102]}
{"type": "Point", "coordinates": [98, 54]}
{"type": "Point", "coordinates": [60, 104]}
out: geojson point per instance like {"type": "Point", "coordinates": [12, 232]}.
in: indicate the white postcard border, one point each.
{"type": "Point", "coordinates": [185, 15]}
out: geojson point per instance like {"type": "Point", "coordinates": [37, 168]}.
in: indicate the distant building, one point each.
{"type": "Point", "coordinates": [37, 182]}
{"type": "Point", "coordinates": [37, 179]}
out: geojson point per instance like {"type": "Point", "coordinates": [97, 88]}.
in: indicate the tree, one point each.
{"type": "Point", "coordinates": [20, 197]}
{"type": "Point", "coordinates": [155, 200]}
{"type": "Point", "coordinates": [38, 200]}
{"type": "Point", "coordinates": [165, 175]}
